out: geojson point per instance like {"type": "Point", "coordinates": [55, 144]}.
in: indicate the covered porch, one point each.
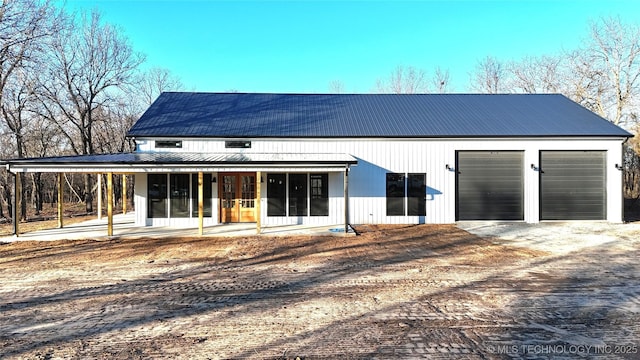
{"type": "Point", "coordinates": [187, 163]}
{"type": "Point", "coordinates": [123, 227]}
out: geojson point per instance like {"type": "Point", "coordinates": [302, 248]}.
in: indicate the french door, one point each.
{"type": "Point", "coordinates": [237, 197]}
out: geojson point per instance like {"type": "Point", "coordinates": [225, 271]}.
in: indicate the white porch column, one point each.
{"type": "Point", "coordinates": [17, 191]}
{"type": "Point", "coordinates": [346, 199]}
{"type": "Point", "coordinates": [109, 204]}
{"type": "Point", "coordinates": [124, 193]}
{"type": "Point", "coordinates": [60, 200]}
{"type": "Point", "coordinates": [99, 196]}
{"type": "Point", "coordinates": [200, 203]}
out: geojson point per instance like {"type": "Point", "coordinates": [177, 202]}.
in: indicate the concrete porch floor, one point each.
{"type": "Point", "coordinates": [123, 227]}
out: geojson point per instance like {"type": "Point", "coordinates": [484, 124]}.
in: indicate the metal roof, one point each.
{"type": "Point", "coordinates": [179, 161]}
{"type": "Point", "coordinates": [237, 115]}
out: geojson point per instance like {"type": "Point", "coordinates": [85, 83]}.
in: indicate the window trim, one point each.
{"type": "Point", "coordinates": [192, 197]}
{"type": "Point", "coordinates": [421, 198]}
{"type": "Point", "coordinates": [406, 209]}
{"type": "Point", "coordinates": [301, 211]}
{"type": "Point", "coordinates": [168, 144]}
{"type": "Point", "coordinates": [237, 144]}
{"type": "Point", "coordinates": [390, 190]}
{"type": "Point", "coordinates": [323, 199]}
{"type": "Point", "coordinates": [276, 177]}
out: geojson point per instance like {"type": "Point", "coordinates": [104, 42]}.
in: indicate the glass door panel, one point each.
{"type": "Point", "coordinates": [247, 198]}
{"type": "Point", "coordinates": [238, 197]}
{"type": "Point", "coordinates": [229, 209]}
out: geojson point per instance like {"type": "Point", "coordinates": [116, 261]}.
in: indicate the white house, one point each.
{"type": "Point", "coordinates": [278, 159]}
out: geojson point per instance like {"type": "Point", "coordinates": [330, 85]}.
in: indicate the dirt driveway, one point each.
{"type": "Point", "coordinates": [393, 292]}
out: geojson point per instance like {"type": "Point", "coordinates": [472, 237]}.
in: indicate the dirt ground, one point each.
{"type": "Point", "coordinates": [393, 292]}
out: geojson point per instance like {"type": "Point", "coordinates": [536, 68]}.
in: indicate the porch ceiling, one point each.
{"type": "Point", "coordinates": [182, 162]}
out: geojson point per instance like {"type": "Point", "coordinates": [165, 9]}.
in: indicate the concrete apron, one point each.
{"type": "Point", "coordinates": [123, 227]}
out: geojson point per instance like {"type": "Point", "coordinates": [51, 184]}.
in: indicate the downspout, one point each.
{"type": "Point", "coordinates": [346, 198]}
{"type": "Point", "coordinates": [622, 178]}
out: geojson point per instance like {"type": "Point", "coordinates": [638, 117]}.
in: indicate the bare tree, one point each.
{"type": "Point", "coordinates": [156, 81]}
{"type": "Point", "coordinates": [404, 80]}
{"type": "Point", "coordinates": [606, 71]}
{"type": "Point", "coordinates": [336, 87]}
{"type": "Point", "coordinates": [110, 134]}
{"type": "Point", "coordinates": [441, 81]}
{"type": "Point", "coordinates": [90, 64]}
{"type": "Point", "coordinates": [631, 174]}
{"type": "Point", "coordinates": [532, 75]}
{"type": "Point", "coordinates": [489, 76]}
{"type": "Point", "coordinates": [24, 26]}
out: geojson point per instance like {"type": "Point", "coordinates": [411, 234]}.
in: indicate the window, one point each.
{"type": "Point", "coordinates": [230, 144]}
{"type": "Point", "coordinates": [416, 193]}
{"type": "Point", "coordinates": [157, 195]}
{"type": "Point", "coordinates": [276, 195]}
{"type": "Point", "coordinates": [179, 205]}
{"type": "Point", "coordinates": [168, 144]}
{"type": "Point", "coordinates": [298, 195]}
{"type": "Point", "coordinates": [206, 194]}
{"type": "Point", "coordinates": [319, 202]}
{"type": "Point", "coordinates": [248, 187]}
{"type": "Point", "coordinates": [395, 194]}
{"type": "Point", "coordinates": [176, 195]}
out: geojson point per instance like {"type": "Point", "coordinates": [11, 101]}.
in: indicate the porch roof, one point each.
{"type": "Point", "coordinates": [182, 162]}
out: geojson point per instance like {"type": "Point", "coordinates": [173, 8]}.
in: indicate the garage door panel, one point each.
{"type": "Point", "coordinates": [572, 185]}
{"type": "Point", "coordinates": [489, 185]}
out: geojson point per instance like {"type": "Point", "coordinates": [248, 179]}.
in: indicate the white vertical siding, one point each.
{"type": "Point", "coordinates": [377, 157]}
{"type": "Point", "coordinates": [615, 198]}
{"type": "Point", "coordinates": [140, 199]}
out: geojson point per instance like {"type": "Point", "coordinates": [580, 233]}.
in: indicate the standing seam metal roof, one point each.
{"type": "Point", "coordinates": [238, 115]}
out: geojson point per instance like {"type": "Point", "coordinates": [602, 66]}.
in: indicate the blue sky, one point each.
{"type": "Point", "coordinates": [301, 46]}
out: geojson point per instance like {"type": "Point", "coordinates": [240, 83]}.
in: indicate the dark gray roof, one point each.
{"type": "Point", "coordinates": [237, 115]}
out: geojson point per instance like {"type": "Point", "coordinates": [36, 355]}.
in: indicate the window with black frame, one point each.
{"type": "Point", "coordinates": [157, 195]}
{"type": "Point", "coordinates": [180, 195]}
{"type": "Point", "coordinates": [206, 195]}
{"type": "Point", "coordinates": [416, 194]}
{"type": "Point", "coordinates": [319, 202]}
{"type": "Point", "coordinates": [395, 194]}
{"type": "Point", "coordinates": [297, 194]}
{"type": "Point", "coordinates": [276, 195]}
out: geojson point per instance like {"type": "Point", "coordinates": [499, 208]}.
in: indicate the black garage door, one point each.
{"type": "Point", "coordinates": [572, 185]}
{"type": "Point", "coordinates": [489, 185]}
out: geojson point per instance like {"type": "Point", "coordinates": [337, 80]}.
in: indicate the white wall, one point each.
{"type": "Point", "coordinates": [376, 157]}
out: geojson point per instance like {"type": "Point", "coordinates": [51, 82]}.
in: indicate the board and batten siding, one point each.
{"type": "Point", "coordinates": [377, 157]}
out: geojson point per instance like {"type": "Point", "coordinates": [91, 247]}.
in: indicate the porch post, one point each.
{"type": "Point", "coordinates": [99, 196]}
{"type": "Point", "coordinates": [16, 203]}
{"type": "Point", "coordinates": [346, 199]}
{"type": "Point", "coordinates": [109, 204]}
{"type": "Point", "coordinates": [258, 196]}
{"type": "Point", "coordinates": [60, 200]}
{"type": "Point", "coordinates": [124, 193]}
{"type": "Point", "coordinates": [200, 203]}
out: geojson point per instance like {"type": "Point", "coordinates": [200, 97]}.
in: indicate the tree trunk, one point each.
{"type": "Point", "coordinates": [7, 196]}
{"type": "Point", "coordinates": [23, 196]}
{"type": "Point", "coordinates": [37, 192]}
{"type": "Point", "coordinates": [88, 196]}
{"type": "Point", "coordinates": [1, 202]}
